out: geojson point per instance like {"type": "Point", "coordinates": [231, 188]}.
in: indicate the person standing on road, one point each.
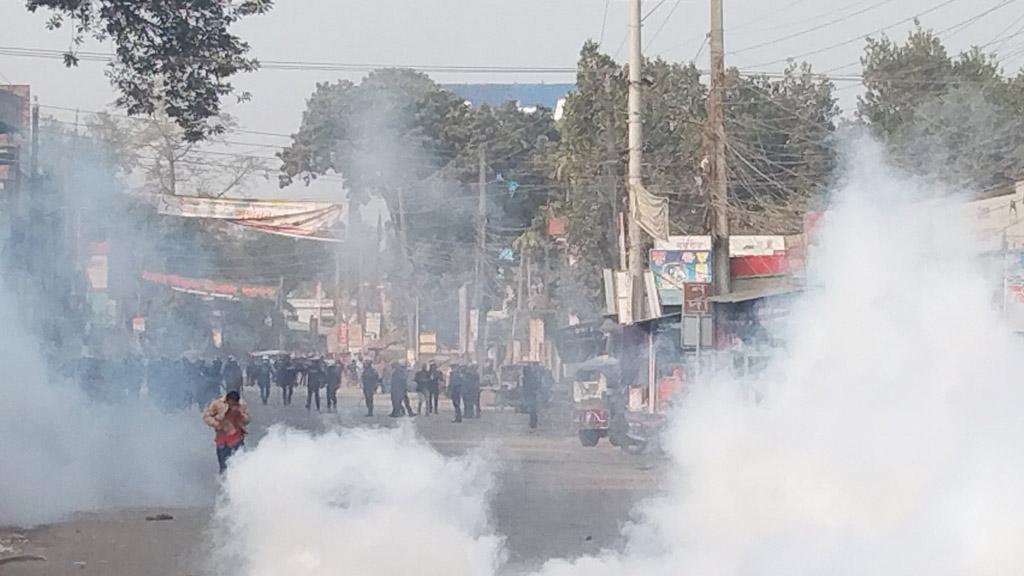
{"type": "Point", "coordinates": [228, 416]}
{"type": "Point", "coordinates": [422, 380]}
{"type": "Point", "coordinates": [531, 391]}
{"type": "Point", "coordinates": [371, 381]}
{"type": "Point", "coordinates": [314, 381]}
{"type": "Point", "coordinates": [232, 375]}
{"type": "Point", "coordinates": [400, 405]}
{"type": "Point", "coordinates": [433, 387]}
{"type": "Point", "coordinates": [285, 374]}
{"type": "Point", "coordinates": [455, 381]}
{"type": "Point", "coordinates": [471, 392]}
{"type": "Point", "coordinates": [263, 377]}
{"type": "Point", "coordinates": [333, 383]}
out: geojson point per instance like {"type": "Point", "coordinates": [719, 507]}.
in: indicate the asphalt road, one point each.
{"type": "Point", "coordinates": [554, 497]}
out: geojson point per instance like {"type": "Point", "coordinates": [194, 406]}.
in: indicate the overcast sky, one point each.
{"type": "Point", "coordinates": [521, 33]}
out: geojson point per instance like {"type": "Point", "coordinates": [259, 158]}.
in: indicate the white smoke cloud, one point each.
{"type": "Point", "coordinates": [61, 452]}
{"type": "Point", "coordinates": [363, 501]}
{"type": "Point", "coordinates": [884, 442]}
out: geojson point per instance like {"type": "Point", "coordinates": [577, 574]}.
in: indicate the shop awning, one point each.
{"type": "Point", "coordinates": [755, 294]}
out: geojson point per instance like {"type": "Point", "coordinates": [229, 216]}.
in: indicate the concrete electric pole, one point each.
{"type": "Point", "coordinates": [718, 187]}
{"type": "Point", "coordinates": [481, 231]}
{"type": "Point", "coordinates": [635, 179]}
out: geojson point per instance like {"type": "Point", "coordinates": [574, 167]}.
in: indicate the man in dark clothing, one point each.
{"type": "Point", "coordinates": [531, 391]}
{"type": "Point", "coordinates": [232, 375]}
{"type": "Point", "coordinates": [455, 381]}
{"type": "Point", "coordinates": [371, 381]}
{"type": "Point", "coordinates": [333, 383]}
{"type": "Point", "coordinates": [314, 381]}
{"type": "Point", "coordinates": [400, 405]}
{"type": "Point", "coordinates": [433, 387]}
{"type": "Point", "coordinates": [252, 370]}
{"type": "Point", "coordinates": [263, 377]}
{"type": "Point", "coordinates": [471, 392]}
{"type": "Point", "coordinates": [285, 374]}
{"type": "Point", "coordinates": [422, 380]}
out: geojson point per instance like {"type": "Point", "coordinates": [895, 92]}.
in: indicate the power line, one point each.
{"type": "Point", "coordinates": [652, 11]}
{"type": "Point", "coordinates": [663, 24]}
{"type": "Point", "coordinates": [604, 22]}
{"type": "Point", "coordinates": [812, 29]}
{"type": "Point", "coordinates": [857, 38]}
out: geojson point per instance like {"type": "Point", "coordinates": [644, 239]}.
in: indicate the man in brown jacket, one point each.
{"type": "Point", "coordinates": [228, 416]}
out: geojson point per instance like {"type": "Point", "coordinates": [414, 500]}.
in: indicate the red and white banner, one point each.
{"type": "Point", "coordinates": [297, 219]}
{"type": "Point", "coordinates": [213, 288]}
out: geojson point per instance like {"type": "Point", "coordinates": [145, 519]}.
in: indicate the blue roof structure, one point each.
{"type": "Point", "coordinates": [546, 95]}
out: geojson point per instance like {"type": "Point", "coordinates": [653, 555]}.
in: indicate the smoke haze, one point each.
{"type": "Point", "coordinates": [63, 452]}
{"type": "Point", "coordinates": [884, 442]}
{"type": "Point", "coordinates": [311, 506]}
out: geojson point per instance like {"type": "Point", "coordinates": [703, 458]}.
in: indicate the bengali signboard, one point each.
{"type": "Point", "coordinates": [310, 220]}
{"type": "Point", "coordinates": [214, 288]}
{"type": "Point", "coordinates": [695, 299]}
{"type": "Point", "coordinates": [674, 269]}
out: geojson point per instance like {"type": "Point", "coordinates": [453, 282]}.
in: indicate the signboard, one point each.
{"type": "Point", "coordinates": [697, 243]}
{"type": "Point", "coordinates": [624, 296]}
{"type": "Point", "coordinates": [697, 331]}
{"type": "Point", "coordinates": [97, 271]}
{"type": "Point", "coordinates": [428, 343]}
{"type": "Point", "coordinates": [286, 218]}
{"type": "Point", "coordinates": [204, 287]}
{"type": "Point", "coordinates": [695, 299]}
{"type": "Point", "coordinates": [342, 336]}
{"type": "Point", "coordinates": [372, 326]}
{"type": "Point", "coordinates": [138, 324]}
{"type": "Point", "coordinates": [355, 337]}
{"type": "Point", "coordinates": [675, 268]}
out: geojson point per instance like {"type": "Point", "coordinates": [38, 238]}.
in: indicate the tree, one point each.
{"type": "Point", "coordinates": [170, 163]}
{"type": "Point", "coordinates": [781, 152]}
{"type": "Point", "coordinates": [955, 119]}
{"type": "Point", "coordinates": [399, 136]}
{"type": "Point", "coordinates": [171, 55]}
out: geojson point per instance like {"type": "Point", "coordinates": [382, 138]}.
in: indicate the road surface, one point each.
{"type": "Point", "coordinates": [554, 497]}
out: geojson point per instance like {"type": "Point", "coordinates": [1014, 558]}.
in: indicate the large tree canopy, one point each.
{"type": "Point", "coordinates": [953, 118]}
{"type": "Point", "coordinates": [780, 151]}
{"type": "Point", "coordinates": [401, 137]}
{"type": "Point", "coordinates": [175, 55]}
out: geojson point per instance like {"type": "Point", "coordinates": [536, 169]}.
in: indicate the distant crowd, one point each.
{"type": "Point", "coordinates": [195, 382]}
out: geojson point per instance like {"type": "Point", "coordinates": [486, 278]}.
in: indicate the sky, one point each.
{"type": "Point", "coordinates": [759, 35]}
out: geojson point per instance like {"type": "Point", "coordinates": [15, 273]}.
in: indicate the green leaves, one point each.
{"type": "Point", "coordinates": [954, 119]}
{"type": "Point", "coordinates": [176, 55]}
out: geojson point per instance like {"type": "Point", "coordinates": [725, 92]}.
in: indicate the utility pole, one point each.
{"type": "Point", "coordinates": [635, 180]}
{"type": "Point", "coordinates": [718, 187]}
{"type": "Point", "coordinates": [611, 159]}
{"type": "Point", "coordinates": [481, 232]}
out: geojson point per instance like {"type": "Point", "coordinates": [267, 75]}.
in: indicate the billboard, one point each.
{"type": "Point", "coordinates": [297, 219]}
{"type": "Point", "coordinates": [674, 269]}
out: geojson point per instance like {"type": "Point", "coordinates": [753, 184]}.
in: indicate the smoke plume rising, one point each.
{"type": "Point", "coordinates": [373, 501]}
{"type": "Point", "coordinates": [883, 442]}
{"type": "Point", "coordinates": [63, 452]}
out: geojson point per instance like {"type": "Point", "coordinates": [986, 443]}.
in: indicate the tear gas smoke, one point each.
{"type": "Point", "coordinates": [373, 501]}
{"type": "Point", "coordinates": [883, 442]}
{"type": "Point", "coordinates": [62, 453]}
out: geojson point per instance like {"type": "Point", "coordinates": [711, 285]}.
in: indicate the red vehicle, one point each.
{"type": "Point", "coordinates": [590, 398]}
